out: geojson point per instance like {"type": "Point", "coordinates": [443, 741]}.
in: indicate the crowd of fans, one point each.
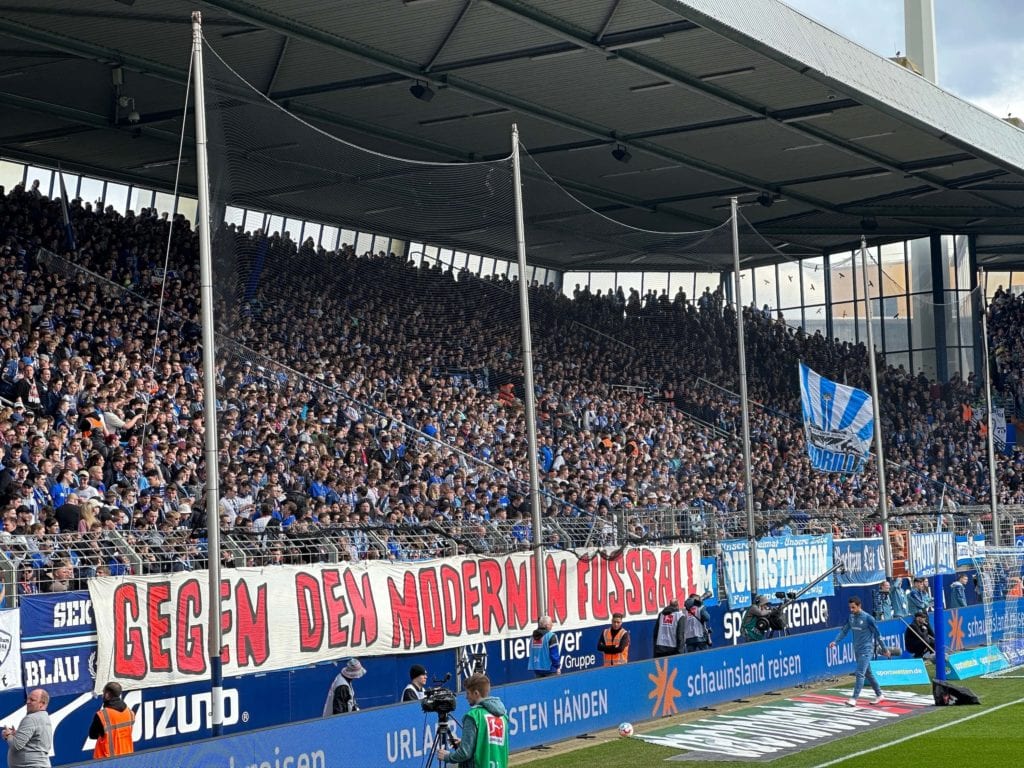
{"type": "Point", "coordinates": [369, 407]}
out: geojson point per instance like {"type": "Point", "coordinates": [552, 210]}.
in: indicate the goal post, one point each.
{"type": "Point", "coordinates": [999, 574]}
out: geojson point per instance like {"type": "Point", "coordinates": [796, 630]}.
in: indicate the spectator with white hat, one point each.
{"type": "Point", "coordinates": [341, 697]}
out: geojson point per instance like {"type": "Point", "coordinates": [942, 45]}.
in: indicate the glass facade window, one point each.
{"type": "Point", "coordinates": [164, 203]}
{"type": "Point", "coordinates": [233, 215]}
{"type": "Point", "coordinates": [255, 221]}
{"type": "Point", "coordinates": [91, 191]}
{"type": "Point", "coordinates": [43, 176]}
{"type": "Point", "coordinates": [11, 175]}
{"type": "Point", "coordinates": [311, 231]}
{"type": "Point", "coordinates": [657, 282]}
{"type": "Point", "coordinates": [628, 281]}
{"type": "Point", "coordinates": [139, 198]}
{"type": "Point", "coordinates": [329, 238]}
{"type": "Point", "coordinates": [602, 283]}
{"type": "Point", "coordinates": [189, 208]}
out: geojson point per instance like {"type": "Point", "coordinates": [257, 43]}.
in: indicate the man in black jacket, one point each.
{"type": "Point", "coordinates": [112, 730]}
{"type": "Point", "coordinates": [919, 639]}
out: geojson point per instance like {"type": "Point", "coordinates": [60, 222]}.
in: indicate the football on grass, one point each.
{"type": "Point", "coordinates": [626, 729]}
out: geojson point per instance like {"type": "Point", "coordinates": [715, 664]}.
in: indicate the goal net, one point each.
{"type": "Point", "coordinates": [999, 584]}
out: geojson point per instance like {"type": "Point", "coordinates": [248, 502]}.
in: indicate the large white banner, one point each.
{"type": "Point", "coordinates": [153, 630]}
{"type": "Point", "coordinates": [10, 650]}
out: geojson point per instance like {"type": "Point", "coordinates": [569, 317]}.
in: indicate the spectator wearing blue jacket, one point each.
{"type": "Point", "coordinates": [958, 592]}
{"type": "Point", "coordinates": [865, 638]}
{"type": "Point", "coordinates": [898, 598]}
{"type": "Point", "coordinates": [919, 598]}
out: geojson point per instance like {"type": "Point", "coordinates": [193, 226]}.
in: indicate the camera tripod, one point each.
{"type": "Point", "coordinates": [443, 739]}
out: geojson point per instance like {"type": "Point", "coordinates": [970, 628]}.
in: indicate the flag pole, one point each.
{"type": "Point", "coordinates": [883, 496]}
{"type": "Point", "coordinates": [530, 407]}
{"type": "Point", "coordinates": [991, 441]}
{"type": "Point", "coordinates": [204, 220]}
{"type": "Point", "coordinates": [748, 495]}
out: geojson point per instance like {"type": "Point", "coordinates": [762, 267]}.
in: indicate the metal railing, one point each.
{"type": "Point", "coordinates": [145, 551]}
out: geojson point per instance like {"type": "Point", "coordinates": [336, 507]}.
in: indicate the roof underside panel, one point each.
{"type": "Point", "coordinates": [699, 100]}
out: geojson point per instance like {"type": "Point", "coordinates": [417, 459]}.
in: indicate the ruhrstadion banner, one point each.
{"type": "Point", "coordinates": [784, 564]}
{"type": "Point", "coordinates": [152, 631]}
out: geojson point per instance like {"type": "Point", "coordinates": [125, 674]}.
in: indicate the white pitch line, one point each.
{"type": "Point", "coordinates": [915, 735]}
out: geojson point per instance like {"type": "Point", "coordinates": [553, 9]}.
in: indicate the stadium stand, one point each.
{"type": "Point", "coordinates": [342, 437]}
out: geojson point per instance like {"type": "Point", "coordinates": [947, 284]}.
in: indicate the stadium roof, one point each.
{"type": "Point", "coordinates": [710, 98]}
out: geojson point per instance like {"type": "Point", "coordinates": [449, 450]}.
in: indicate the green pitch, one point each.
{"type": "Point", "coordinates": [990, 738]}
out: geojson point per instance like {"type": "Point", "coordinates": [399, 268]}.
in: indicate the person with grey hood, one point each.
{"type": "Point", "coordinates": [484, 742]}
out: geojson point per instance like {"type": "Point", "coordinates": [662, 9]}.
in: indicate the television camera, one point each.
{"type": "Point", "coordinates": [439, 699]}
{"type": "Point", "coordinates": [775, 620]}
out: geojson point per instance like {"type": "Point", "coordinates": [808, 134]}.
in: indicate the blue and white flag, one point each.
{"type": "Point", "coordinates": [838, 423]}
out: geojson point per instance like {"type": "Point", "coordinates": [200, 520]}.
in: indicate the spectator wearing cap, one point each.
{"type": "Point", "coordinates": [341, 697]}
{"type": "Point", "coordinates": [417, 682]}
{"type": "Point", "coordinates": [919, 637]}
{"type": "Point", "coordinates": [86, 490]}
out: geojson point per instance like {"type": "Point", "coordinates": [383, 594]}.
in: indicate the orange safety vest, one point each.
{"type": "Point", "coordinates": [117, 733]}
{"type": "Point", "coordinates": [611, 659]}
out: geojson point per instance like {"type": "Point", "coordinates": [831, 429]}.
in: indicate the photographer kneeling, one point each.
{"type": "Point", "coordinates": [484, 729]}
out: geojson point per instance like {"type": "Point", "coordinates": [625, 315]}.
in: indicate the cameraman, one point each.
{"type": "Point", "coordinates": [695, 633]}
{"type": "Point", "coordinates": [417, 679]}
{"type": "Point", "coordinates": [484, 729]}
{"type": "Point", "coordinates": [755, 622]}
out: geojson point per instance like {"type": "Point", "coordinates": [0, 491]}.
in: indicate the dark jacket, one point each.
{"type": "Point", "coordinates": [919, 640]}
{"type": "Point", "coordinates": [96, 727]}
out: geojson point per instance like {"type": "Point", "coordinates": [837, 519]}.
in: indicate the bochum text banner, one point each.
{"type": "Point", "coordinates": [152, 631]}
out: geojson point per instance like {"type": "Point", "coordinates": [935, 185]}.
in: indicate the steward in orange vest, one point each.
{"type": "Point", "coordinates": [112, 725]}
{"type": "Point", "coordinates": [614, 642]}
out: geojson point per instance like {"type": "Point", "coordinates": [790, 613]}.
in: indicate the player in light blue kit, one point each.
{"type": "Point", "coordinates": [865, 637]}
